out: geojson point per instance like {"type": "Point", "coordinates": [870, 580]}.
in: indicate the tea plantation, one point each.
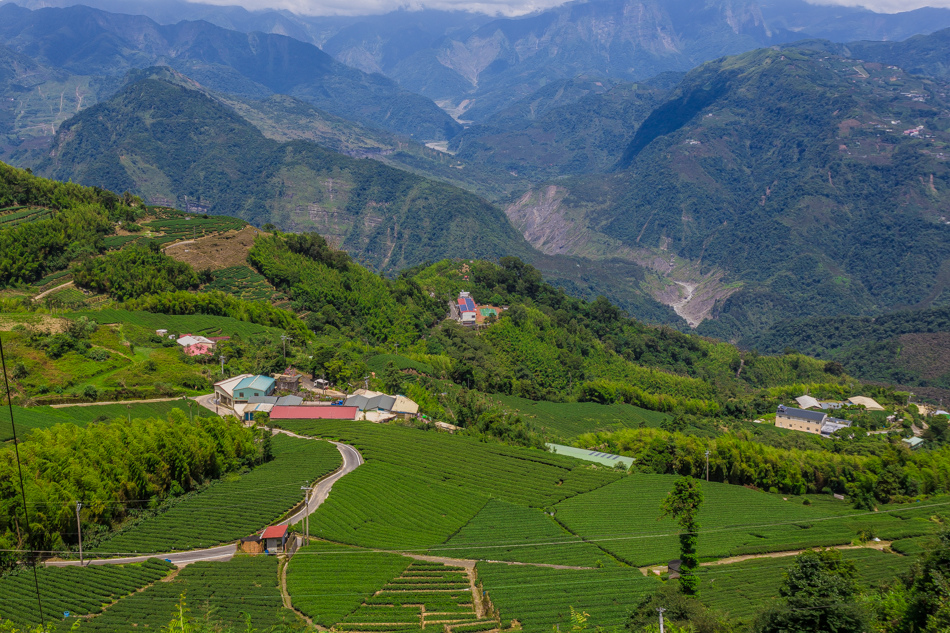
{"type": "Point", "coordinates": [232, 508]}
{"type": "Point", "coordinates": [237, 593]}
{"type": "Point", "coordinates": [81, 591]}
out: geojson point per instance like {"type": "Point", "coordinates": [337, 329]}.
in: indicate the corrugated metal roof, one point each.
{"type": "Point", "coordinates": [801, 414]}
{"type": "Point", "coordinates": [608, 459]}
{"type": "Point", "coordinates": [256, 382]}
{"type": "Point", "coordinates": [807, 402]}
{"type": "Point", "coordinates": [275, 531]}
{"type": "Point", "coordinates": [363, 403]}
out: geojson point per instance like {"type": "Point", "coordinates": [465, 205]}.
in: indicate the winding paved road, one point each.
{"type": "Point", "coordinates": [351, 460]}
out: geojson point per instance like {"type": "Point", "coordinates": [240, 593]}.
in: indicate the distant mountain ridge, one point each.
{"type": "Point", "coordinates": [475, 65]}
{"type": "Point", "coordinates": [773, 185]}
{"type": "Point", "coordinates": [176, 146]}
{"type": "Point", "coordinates": [87, 41]}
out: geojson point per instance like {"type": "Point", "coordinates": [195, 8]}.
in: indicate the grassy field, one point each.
{"type": "Point", "coordinates": [734, 520]}
{"type": "Point", "coordinates": [230, 594]}
{"type": "Point", "coordinates": [80, 591]}
{"type": "Point", "coordinates": [504, 531]}
{"type": "Point", "coordinates": [235, 507]}
{"type": "Point", "coordinates": [540, 598]}
{"type": "Point", "coordinates": [570, 419]}
{"type": "Point", "coordinates": [29, 418]}
{"type": "Point", "coordinates": [327, 582]}
{"type": "Point", "coordinates": [741, 589]}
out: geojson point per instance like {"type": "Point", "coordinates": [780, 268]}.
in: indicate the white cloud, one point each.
{"type": "Point", "coordinates": [508, 8]}
{"type": "Point", "coordinates": [500, 7]}
{"type": "Point", "coordinates": [887, 6]}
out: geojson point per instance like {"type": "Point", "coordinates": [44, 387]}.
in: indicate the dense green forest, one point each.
{"type": "Point", "coordinates": [908, 347]}
{"type": "Point", "coordinates": [74, 227]}
{"type": "Point", "coordinates": [147, 458]}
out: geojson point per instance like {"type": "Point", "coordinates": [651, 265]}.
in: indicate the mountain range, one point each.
{"type": "Point", "coordinates": [755, 189]}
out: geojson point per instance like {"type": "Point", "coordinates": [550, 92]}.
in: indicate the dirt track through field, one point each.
{"type": "Point", "coordinates": [878, 545]}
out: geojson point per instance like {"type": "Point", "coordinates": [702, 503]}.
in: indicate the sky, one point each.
{"type": "Point", "coordinates": [501, 7]}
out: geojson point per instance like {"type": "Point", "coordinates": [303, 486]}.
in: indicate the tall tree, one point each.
{"type": "Point", "coordinates": [818, 595]}
{"type": "Point", "coordinates": [682, 503]}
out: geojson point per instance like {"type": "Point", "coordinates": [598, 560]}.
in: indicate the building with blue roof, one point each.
{"type": "Point", "coordinates": [253, 387]}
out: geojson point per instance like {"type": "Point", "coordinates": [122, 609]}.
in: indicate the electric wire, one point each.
{"type": "Point", "coordinates": [26, 515]}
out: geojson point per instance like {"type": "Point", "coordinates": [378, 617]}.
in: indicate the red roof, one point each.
{"type": "Point", "coordinates": [275, 531]}
{"type": "Point", "coordinates": [313, 412]}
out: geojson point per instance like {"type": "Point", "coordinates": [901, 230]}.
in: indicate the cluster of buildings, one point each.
{"type": "Point", "coordinates": [248, 394]}
{"type": "Point", "coordinates": [812, 416]}
{"type": "Point", "coordinates": [468, 313]}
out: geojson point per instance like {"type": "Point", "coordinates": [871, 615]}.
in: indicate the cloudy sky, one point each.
{"type": "Point", "coordinates": [504, 7]}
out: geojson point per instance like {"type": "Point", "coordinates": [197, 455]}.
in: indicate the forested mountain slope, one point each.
{"type": "Point", "coordinates": [87, 41]}
{"type": "Point", "coordinates": [775, 184]}
{"type": "Point", "coordinates": [177, 146]}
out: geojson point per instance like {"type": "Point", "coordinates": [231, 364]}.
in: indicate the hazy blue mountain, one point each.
{"type": "Point", "coordinates": [87, 41]}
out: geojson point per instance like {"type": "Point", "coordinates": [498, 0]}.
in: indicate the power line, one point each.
{"type": "Point", "coordinates": [16, 448]}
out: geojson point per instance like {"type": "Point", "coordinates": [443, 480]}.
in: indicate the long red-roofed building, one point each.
{"type": "Point", "coordinates": [313, 412]}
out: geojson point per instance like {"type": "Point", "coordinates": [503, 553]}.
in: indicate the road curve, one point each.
{"type": "Point", "coordinates": [351, 460]}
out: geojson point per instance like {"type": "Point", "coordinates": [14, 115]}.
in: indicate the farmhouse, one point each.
{"type": "Point", "coordinates": [913, 443]}
{"type": "Point", "coordinates": [253, 386]}
{"type": "Point", "coordinates": [467, 314]}
{"type": "Point", "coordinates": [808, 421]}
{"type": "Point", "coordinates": [224, 390]}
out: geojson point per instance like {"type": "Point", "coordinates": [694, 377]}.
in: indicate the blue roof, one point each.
{"type": "Point", "coordinates": [255, 382]}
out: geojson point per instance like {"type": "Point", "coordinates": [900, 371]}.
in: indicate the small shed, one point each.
{"type": "Point", "coordinates": [274, 538]}
{"type": "Point", "coordinates": [913, 443]}
{"type": "Point", "coordinates": [674, 567]}
{"type": "Point", "coordinates": [289, 380]}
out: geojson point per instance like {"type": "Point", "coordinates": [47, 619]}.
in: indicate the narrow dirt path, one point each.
{"type": "Point", "coordinates": [46, 292]}
{"type": "Point", "coordinates": [96, 404]}
{"type": "Point", "coordinates": [876, 545]}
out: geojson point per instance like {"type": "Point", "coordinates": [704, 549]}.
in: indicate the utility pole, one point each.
{"type": "Point", "coordinates": [284, 338]}
{"type": "Point", "coordinates": [306, 509]}
{"type": "Point", "coordinates": [79, 527]}
{"type": "Point", "coordinates": [221, 358]}
{"type": "Point", "coordinates": [660, 610]}
{"type": "Point", "coordinates": [707, 465]}
{"type": "Point", "coordinates": [129, 407]}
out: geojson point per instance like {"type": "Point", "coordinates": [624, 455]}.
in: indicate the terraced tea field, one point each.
{"type": "Point", "coordinates": [741, 589]}
{"type": "Point", "coordinates": [504, 531]}
{"type": "Point", "coordinates": [243, 282]}
{"type": "Point", "coordinates": [81, 591]}
{"type": "Point", "coordinates": [380, 505]}
{"type": "Point", "coordinates": [234, 508]}
{"type": "Point", "coordinates": [426, 595]}
{"type": "Point", "coordinates": [328, 581]}
{"type": "Point", "coordinates": [540, 598]}
{"type": "Point", "coordinates": [243, 590]}
{"type": "Point", "coordinates": [734, 520]}
{"type": "Point", "coordinates": [524, 476]}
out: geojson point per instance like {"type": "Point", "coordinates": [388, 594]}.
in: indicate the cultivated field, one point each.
{"type": "Point", "coordinates": [234, 507]}
{"type": "Point", "coordinates": [80, 591]}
